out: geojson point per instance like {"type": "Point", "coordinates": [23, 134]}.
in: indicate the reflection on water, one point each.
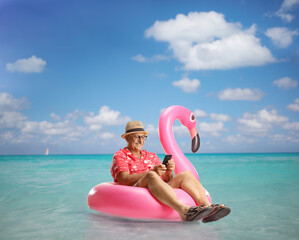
{"type": "Point", "coordinates": [106, 227]}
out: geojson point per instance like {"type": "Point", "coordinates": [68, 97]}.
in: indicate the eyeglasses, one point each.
{"type": "Point", "coordinates": [143, 138]}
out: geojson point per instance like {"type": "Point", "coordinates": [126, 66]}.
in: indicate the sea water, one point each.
{"type": "Point", "coordinates": [45, 197]}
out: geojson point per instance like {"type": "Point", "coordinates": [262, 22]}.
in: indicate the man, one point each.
{"type": "Point", "coordinates": [133, 166]}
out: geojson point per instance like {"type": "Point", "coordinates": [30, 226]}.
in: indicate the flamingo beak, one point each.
{"type": "Point", "coordinates": [195, 143]}
{"type": "Point", "coordinates": [195, 140]}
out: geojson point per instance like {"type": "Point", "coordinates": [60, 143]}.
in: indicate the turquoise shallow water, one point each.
{"type": "Point", "coordinates": [44, 197]}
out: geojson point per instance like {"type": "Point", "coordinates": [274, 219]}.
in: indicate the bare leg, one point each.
{"type": "Point", "coordinates": [163, 192]}
{"type": "Point", "coordinates": [187, 182]}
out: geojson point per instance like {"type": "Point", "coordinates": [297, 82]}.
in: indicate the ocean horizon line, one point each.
{"type": "Point", "coordinates": [90, 154]}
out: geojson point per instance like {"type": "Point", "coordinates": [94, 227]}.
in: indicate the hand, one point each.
{"type": "Point", "coordinates": [159, 169]}
{"type": "Point", "coordinates": [170, 165]}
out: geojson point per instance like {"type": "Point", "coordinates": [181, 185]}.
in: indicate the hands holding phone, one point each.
{"type": "Point", "coordinates": [169, 163]}
{"type": "Point", "coordinates": [167, 166]}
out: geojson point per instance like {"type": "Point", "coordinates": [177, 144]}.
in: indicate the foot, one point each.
{"type": "Point", "coordinates": [197, 213]}
{"type": "Point", "coordinates": [218, 212]}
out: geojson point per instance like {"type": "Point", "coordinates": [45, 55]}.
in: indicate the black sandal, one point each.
{"type": "Point", "coordinates": [195, 213]}
{"type": "Point", "coordinates": [217, 213]}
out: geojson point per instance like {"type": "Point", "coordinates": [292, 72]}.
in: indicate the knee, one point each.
{"type": "Point", "coordinates": [186, 175]}
{"type": "Point", "coordinates": [152, 176]}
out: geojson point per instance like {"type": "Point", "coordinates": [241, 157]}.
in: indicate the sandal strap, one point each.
{"type": "Point", "coordinates": [203, 206]}
{"type": "Point", "coordinates": [191, 211]}
{"type": "Point", "coordinates": [215, 205]}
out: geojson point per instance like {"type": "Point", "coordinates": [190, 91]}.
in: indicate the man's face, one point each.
{"type": "Point", "coordinates": [136, 141]}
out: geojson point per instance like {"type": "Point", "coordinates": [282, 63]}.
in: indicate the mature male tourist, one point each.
{"type": "Point", "coordinates": [133, 166]}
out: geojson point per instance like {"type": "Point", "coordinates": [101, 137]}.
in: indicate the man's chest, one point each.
{"type": "Point", "coordinates": [140, 165]}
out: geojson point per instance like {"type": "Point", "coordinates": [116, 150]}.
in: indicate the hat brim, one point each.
{"type": "Point", "coordinates": [126, 134]}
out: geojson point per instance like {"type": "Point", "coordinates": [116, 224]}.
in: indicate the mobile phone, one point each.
{"type": "Point", "coordinates": [166, 159]}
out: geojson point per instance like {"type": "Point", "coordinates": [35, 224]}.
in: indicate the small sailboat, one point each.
{"type": "Point", "coordinates": [47, 151]}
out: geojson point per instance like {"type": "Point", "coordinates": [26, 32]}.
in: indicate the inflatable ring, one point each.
{"type": "Point", "coordinates": [138, 203]}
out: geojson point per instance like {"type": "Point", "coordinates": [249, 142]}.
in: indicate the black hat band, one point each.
{"type": "Point", "coordinates": [135, 130]}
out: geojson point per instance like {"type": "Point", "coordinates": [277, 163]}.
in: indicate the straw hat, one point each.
{"type": "Point", "coordinates": [134, 127]}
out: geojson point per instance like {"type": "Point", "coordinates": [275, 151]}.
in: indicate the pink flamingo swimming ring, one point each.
{"type": "Point", "coordinates": [138, 203]}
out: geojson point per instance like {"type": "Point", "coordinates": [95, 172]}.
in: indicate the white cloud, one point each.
{"type": "Point", "coordinates": [55, 116]}
{"type": "Point", "coordinates": [11, 119]}
{"type": "Point", "coordinates": [66, 130]}
{"type": "Point", "coordinates": [77, 133]}
{"type": "Point", "coordinates": [7, 136]}
{"type": "Point", "coordinates": [16, 128]}
{"type": "Point", "coordinates": [211, 128]}
{"type": "Point", "coordinates": [205, 40]}
{"type": "Point", "coordinates": [106, 116]}
{"type": "Point", "coordinates": [289, 4]}
{"type": "Point", "coordinates": [151, 129]}
{"type": "Point", "coordinates": [284, 16]}
{"type": "Point", "coordinates": [281, 36]}
{"type": "Point", "coordinates": [187, 85]}
{"type": "Point", "coordinates": [234, 140]}
{"type": "Point", "coordinates": [60, 128]}
{"type": "Point", "coordinates": [29, 65]}
{"type": "Point", "coordinates": [75, 115]}
{"type": "Point", "coordinates": [9, 103]}
{"type": "Point", "coordinates": [261, 123]}
{"type": "Point", "coordinates": [159, 57]}
{"type": "Point", "coordinates": [284, 138]}
{"type": "Point", "coordinates": [294, 106]}
{"type": "Point", "coordinates": [107, 135]}
{"type": "Point", "coordinates": [161, 75]}
{"type": "Point", "coordinates": [155, 58]}
{"type": "Point", "coordinates": [236, 94]}
{"type": "Point", "coordinates": [220, 117]}
{"type": "Point", "coordinates": [139, 58]}
{"type": "Point", "coordinates": [48, 128]}
{"type": "Point", "coordinates": [294, 126]}
{"type": "Point", "coordinates": [199, 113]}
{"type": "Point", "coordinates": [279, 137]}
{"type": "Point", "coordinates": [181, 131]}
{"type": "Point", "coordinates": [286, 7]}
{"type": "Point", "coordinates": [285, 83]}
{"type": "Point", "coordinates": [95, 127]}
{"type": "Point", "coordinates": [9, 116]}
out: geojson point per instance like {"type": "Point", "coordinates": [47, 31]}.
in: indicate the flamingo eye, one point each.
{"type": "Point", "coordinates": [192, 117]}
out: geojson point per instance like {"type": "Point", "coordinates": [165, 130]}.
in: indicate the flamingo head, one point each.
{"type": "Point", "coordinates": [188, 119]}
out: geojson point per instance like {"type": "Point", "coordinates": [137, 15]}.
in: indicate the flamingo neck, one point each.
{"type": "Point", "coordinates": [168, 142]}
{"type": "Point", "coordinates": [167, 137]}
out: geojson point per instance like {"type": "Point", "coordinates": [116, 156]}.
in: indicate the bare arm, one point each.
{"type": "Point", "coordinates": [125, 178]}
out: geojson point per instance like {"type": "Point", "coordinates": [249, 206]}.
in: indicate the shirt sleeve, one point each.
{"type": "Point", "coordinates": [119, 164]}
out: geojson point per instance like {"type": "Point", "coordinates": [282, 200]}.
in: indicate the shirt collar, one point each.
{"type": "Point", "coordinates": [127, 151]}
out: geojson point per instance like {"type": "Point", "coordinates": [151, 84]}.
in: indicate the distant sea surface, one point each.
{"type": "Point", "coordinates": [45, 197]}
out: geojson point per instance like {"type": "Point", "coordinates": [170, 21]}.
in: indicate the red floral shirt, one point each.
{"type": "Point", "coordinates": [125, 161]}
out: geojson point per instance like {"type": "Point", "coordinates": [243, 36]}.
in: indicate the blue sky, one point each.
{"type": "Point", "coordinates": [72, 73]}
